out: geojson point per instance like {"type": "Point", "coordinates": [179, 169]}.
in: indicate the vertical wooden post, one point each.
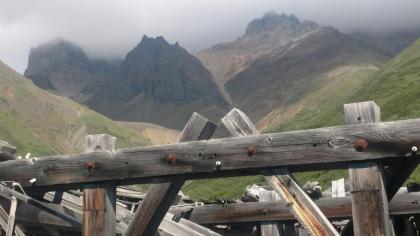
{"type": "Point", "coordinates": [161, 195]}
{"type": "Point", "coordinates": [306, 211]}
{"type": "Point", "coordinates": [99, 203]}
{"type": "Point", "coordinates": [269, 228]}
{"type": "Point", "coordinates": [12, 215]}
{"type": "Point", "coordinates": [368, 195]}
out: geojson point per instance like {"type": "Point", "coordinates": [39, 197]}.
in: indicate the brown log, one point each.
{"type": "Point", "coordinates": [403, 204]}
{"type": "Point", "coordinates": [99, 203]}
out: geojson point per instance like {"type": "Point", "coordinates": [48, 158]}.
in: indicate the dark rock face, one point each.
{"type": "Point", "coordinates": [156, 82]}
{"type": "Point", "coordinates": [164, 73]}
{"type": "Point", "coordinates": [61, 67]}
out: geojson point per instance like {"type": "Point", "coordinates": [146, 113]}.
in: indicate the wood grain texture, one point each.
{"type": "Point", "coordinates": [12, 215]}
{"type": "Point", "coordinates": [306, 150]}
{"type": "Point", "coordinates": [4, 224]}
{"type": "Point", "coordinates": [282, 181]}
{"type": "Point", "coordinates": [99, 203]}
{"type": "Point", "coordinates": [403, 204]}
{"type": "Point", "coordinates": [160, 196]}
{"type": "Point", "coordinates": [56, 211]}
{"type": "Point", "coordinates": [368, 194]}
{"type": "Point", "coordinates": [269, 228]}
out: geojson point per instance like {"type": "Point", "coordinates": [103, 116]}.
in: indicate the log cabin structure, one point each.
{"type": "Point", "coordinates": [84, 193]}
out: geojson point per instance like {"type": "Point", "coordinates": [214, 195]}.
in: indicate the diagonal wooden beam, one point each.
{"type": "Point", "coordinates": [282, 181]}
{"type": "Point", "coordinates": [4, 223]}
{"type": "Point", "coordinates": [8, 193]}
{"type": "Point", "coordinates": [367, 185]}
{"type": "Point", "coordinates": [305, 150]}
{"type": "Point", "coordinates": [99, 203]}
{"type": "Point", "coordinates": [160, 196]}
{"type": "Point", "coordinates": [12, 215]}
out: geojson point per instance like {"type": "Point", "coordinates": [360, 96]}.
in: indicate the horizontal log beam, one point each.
{"type": "Point", "coordinates": [306, 150]}
{"type": "Point", "coordinates": [333, 208]}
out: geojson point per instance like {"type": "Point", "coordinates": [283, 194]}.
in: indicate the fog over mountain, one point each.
{"type": "Point", "coordinates": [108, 29]}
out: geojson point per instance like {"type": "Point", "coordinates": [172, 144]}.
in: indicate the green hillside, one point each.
{"type": "Point", "coordinates": [39, 122]}
{"type": "Point", "coordinates": [395, 87]}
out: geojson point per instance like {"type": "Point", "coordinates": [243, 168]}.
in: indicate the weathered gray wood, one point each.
{"type": "Point", "coordinates": [99, 203]}
{"type": "Point", "coordinates": [269, 228]}
{"type": "Point", "coordinates": [12, 215]}
{"type": "Point", "coordinates": [282, 181]}
{"type": "Point", "coordinates": [30, 215]}
{"type": "Point", "coordinates": [6, 151]}
{"type": "Point", "coordinates": [58, 212]}
{"type": "Point", "coordinates": [160, 196]}
{"type": "Point", "coordinates": [368, 194]}
{"type": "Point", "coordinates": [4, 222]}
{"type": "Point", "coordinates": [403, 204]}
{"type": "Point", "coordinates": [305, 150]}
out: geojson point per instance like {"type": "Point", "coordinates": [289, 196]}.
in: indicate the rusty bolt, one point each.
{"type": "Point", "coordinates": [171, 159]}
{"type": "Point", "coordinates": [90, 165]}
{"type": "Point", "coordinates": [251, 150]}
{"type": "Point", "coordinates": [360, 145]}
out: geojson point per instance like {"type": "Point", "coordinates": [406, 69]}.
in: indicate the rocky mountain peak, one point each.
{"type": "Point", "coordinates": [55, 53]}
{"type": "Point", "coordinates": [272, 21]}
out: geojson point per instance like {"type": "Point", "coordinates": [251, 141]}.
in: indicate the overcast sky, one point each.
{"type": "Point", "coordinates": [110, 28]}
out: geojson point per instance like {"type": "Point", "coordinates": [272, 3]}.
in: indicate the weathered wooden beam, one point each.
{"type": "Point", "coordinates": [269, 228]}
{"type": "Point", "coordinates": [403, 204]}
{"type": "Point", "coordinates": [4, 224]}
{"type": "Point", "coordinates": [28, 214]}
{"type": "Point", "coordinates": [6, 151]}
{"type": "Point", "coordinates": [8, 193]}
{"type": "Point", "coordinates": [305, 150]}
{"type": "Point", "coordinates": [368, 194]}
{"type": "Point", "coordinates": [12, 215]}
{"type": "Point", "coordinates": [282, 181]}
{"type": "Point", "coordinates": [160, 196]}
{"type": "Point", "coordinates": [99, 203]}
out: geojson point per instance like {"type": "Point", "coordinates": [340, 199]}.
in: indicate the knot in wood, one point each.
{"type": "Point", "coordinates": [90, 165]}
{"type": "Point", "coordinates": [252, 150]}
{"type": "Point", "coordinates": [171, 159]}
{"type": "Point", "coordinates": [360, 145]}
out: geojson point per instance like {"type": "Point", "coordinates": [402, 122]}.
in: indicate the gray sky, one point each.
{"type": "Point", "coordinates": [110, 28]}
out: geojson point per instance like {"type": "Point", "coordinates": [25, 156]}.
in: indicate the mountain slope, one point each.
{"type": "Point", "coordinates": [292, 72]}
{"type": "Point", "coordinates": [39, 122]}
{"type": "Point", "coordinates": [261, 37]}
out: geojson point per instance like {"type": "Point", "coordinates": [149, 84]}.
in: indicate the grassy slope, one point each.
{"type": "Point", "coordinates": [395, 88]}
{"type": "Point", "coordinates": [41, 123]}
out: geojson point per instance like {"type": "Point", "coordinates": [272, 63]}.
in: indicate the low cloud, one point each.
{"type": "Point", "coordinates": [109, 29]}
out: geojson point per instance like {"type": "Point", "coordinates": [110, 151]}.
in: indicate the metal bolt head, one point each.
{"type": "Point", "coordinates": [171, 159]}
{"type": "Point", "coordinates": [218, 163]}
{"type": "Point", "coordinates": [360, 145]}
{"type": "Point", "coordinates": [251, 150]}
{"type": "Point", "coordinates": [90, 165]}
{"type": "Point", "coordinates": [414, 149]}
